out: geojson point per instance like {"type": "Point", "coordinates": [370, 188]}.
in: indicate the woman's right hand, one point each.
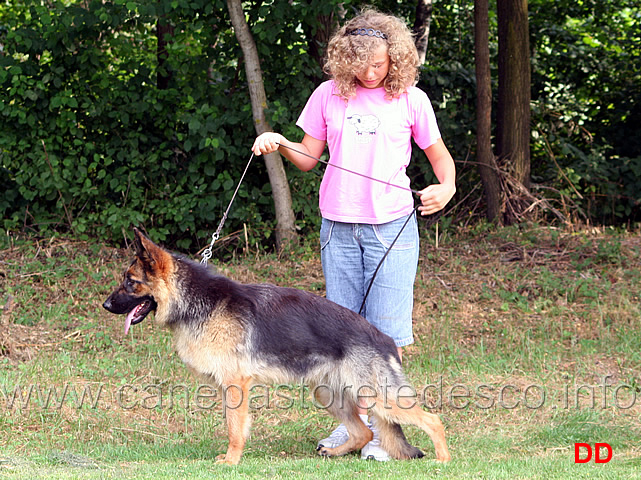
{"type": "Point", "coordinates": [267, 142]}
{"type": "Point", "coordinates": [304, 155]}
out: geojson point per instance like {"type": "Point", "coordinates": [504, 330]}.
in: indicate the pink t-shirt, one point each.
{"type": "Point", "coordinates": [370, 135]}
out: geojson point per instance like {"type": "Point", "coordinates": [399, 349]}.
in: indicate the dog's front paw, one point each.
{"type": "Point", "coordinates": [445, 458]}
{"type": "Point", "coordinates": [223, 459]}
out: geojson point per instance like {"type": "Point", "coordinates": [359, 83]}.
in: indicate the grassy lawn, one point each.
{"type": "Point", "coordinates": [527, 342]}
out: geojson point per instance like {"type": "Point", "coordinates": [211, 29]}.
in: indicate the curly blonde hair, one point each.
{"type": "Point", "coordinates": [349, 54]}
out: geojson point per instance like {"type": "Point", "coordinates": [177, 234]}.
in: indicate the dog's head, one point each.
{"type": "Point", "coordinates": [145, 282]}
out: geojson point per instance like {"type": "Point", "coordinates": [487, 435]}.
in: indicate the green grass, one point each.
{"type": "Point", "coordinates": [527, 341]}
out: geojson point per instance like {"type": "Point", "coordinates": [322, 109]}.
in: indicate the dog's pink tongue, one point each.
{"type": "Point", "coordinates": [128, 320]}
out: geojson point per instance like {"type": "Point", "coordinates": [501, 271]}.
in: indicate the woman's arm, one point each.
{"type": "Point", "coordinates": [435, 197]}
{"type": "Point", "coordinates": [269, 142]}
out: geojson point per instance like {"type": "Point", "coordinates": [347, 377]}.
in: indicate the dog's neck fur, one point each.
{"type": "Point", "coordinates": [213, 291]}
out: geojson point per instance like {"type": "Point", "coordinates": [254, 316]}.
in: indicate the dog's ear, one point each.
{"type": "Point", "coordinates": [139, 242]}
{"type": "Point", "coordinates": [154, 258]}
{"type": "Point", "coordinates": [146, 250]}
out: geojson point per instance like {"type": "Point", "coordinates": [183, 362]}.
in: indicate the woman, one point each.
{"type": "Point", "coordinates": [367, 115]}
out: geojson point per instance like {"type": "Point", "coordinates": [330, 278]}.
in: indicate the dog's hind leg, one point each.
{"type": "Point", "coordinates": [406, 411]}
{"type": "Point", "coordinates": [345, 410]}
{"type": "Point", "coordinates": [393, 440]}
{"type": "Point", "coordinates": [236, 410]}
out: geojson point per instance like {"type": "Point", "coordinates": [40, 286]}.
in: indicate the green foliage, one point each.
{"type": "Point", "coordinates": [586, 59]}
{"type": "Point", "coordinates": [586, 86]}
{"type": "Point", "coordinates": [90, 144]}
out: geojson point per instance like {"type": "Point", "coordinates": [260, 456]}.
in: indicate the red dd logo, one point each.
{"type": "Point", "coordinates": [597, 452]}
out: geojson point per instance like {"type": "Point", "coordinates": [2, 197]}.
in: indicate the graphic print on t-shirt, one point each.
{"type": "Point", "coordinates": [365, 125]}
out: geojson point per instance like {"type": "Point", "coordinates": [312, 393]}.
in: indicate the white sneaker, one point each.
{"type": "Point", "coordinates": [373, 450]}
{"type": "Point", "coordinates": [337, 438]}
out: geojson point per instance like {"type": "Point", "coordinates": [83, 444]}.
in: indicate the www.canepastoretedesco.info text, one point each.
{"type": "Point", "coordinates": [433, 396]}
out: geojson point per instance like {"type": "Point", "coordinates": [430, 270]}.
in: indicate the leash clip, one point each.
{"type": "Point", "coordinates": [207, 253]}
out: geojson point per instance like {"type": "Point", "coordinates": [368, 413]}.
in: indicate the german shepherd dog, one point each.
{"type": "Point", "coordinates": [231, 334]}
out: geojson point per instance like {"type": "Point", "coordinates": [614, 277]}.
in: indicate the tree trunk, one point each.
{"type": "Point", "coordinates": [285, 227]}
{"type": "Point", "coordinates": [421, 28]}
{"type": "Point", "coordinates": [164, 33]}
{"type": "Point", "coordinates": [513, 119]}
{"type": "Point", "coordinates": [488, 168]}
{"type": "Point", "coordinates": [318, 35]}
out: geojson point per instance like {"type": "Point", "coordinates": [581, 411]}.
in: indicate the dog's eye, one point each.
{"type": "Point", "coordinates": [129, 283]}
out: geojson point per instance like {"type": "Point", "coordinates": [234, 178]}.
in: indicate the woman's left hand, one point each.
{"type": "Point", "coordinates": [435, 197]}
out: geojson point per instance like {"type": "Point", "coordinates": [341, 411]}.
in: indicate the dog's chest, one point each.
{"type": "Point", "coordinates": [211, 350]}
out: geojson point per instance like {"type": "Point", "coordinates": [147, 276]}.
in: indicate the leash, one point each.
{"type": "Point", "coordinates": [371, 283]}
{"type": "Point", "coordinates": [360, 310]}
{"type": "Point", "coordinates": [407, 189]}
{"type": "Point", "coordinates": [207, 253]}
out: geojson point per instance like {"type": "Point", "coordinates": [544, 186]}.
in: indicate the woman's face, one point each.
{"type": "Point", "coordinates": [374, 74]}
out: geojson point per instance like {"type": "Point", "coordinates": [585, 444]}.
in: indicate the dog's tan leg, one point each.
{"type": "Point", "coordinates": [236, 408]}
{"type": "Point", "coordinates": [346, 411]}
{"type": "Point", "coordinates": [405, 411]}
{"type": "Point", "coordinates": [432, 425]}
{"type": "Point", "coordinates": [359, 436]}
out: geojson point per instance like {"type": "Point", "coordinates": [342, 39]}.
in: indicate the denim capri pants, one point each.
{"type": "Point", "coordinates": [351, 252]}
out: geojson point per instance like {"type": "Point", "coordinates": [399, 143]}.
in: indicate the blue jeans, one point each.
{"type": "Point", "coordinates": [350, 254]}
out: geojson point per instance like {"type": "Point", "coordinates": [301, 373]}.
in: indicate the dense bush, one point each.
{"type": "Point", "coordinates": [90, 144]}
{"type": "Point", "coordinates": [587, 86]}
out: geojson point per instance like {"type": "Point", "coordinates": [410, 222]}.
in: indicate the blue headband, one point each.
{"type": "Point", "coordinates": [370, 32]}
